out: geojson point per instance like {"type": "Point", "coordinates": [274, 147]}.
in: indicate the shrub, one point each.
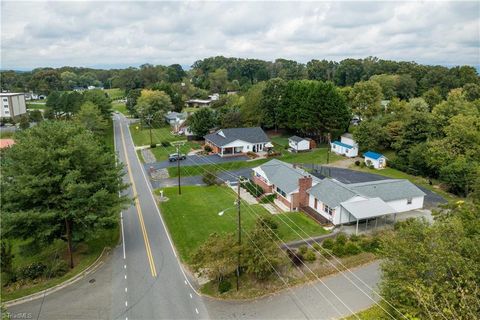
{"type": "Point", "coordinates": [57, 269]}
{"type": "Point", "coordinates": [32, 271]}
{"type": "Point", "coordinates": [165, 143]}
{"type": "Point", "coordinates": [316, 246]}
{"type": "Point", "coordinates": [310, 256]}
{"type": "Point", "coordinates": [341, 239]}
{"type": "Point", "coordinates": [303, 249]}
{"type": "Point", "coordinates": [362, 164]}
{"type": "Point", "coordinates": [338, 250]}
{"type": "Point", "coordinates": [207, 148]}
{"type": "Point", "coordinates": [295, 257]}
{"type": "Point", "coordinates": [209, 178]}
{"type": "Point", "coordinates": [357, 163]}
{"type": "Point", "coordinates": [267, 223]}
{"type": "Point", "coordinates": [252, 188]}
{"type": "Point", "coordinates": [224, 286]}
{"type": "Point", "coordinates": [370, 244]}
{"type": "Point", "coordinates": [268, 198]}
{"type": "Point", "coordinates": [153, 145]}
{"type": "Point", "coordinates": [273, 154]}
{"type": "Point", "coordinates": [354, 238]}
{"type": "Point", "coordinates": [328, 243]}
{"type": "Point", "coordinates": [351, 249]}
{"type": "Point", "coordinates": [251, 154]}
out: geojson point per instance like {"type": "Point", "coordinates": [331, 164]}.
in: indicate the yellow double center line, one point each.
{"type": "Point", "coordinates": [139, 210]}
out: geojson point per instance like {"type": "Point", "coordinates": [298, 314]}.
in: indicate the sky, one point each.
{"type": "Point", "coordinates": [130, 33]}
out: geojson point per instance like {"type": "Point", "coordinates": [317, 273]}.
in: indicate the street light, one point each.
{"type": "Point", "coordinates": [239, 226]}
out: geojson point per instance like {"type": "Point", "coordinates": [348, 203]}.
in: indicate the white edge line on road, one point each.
{"type": "Point", "coordinates": [125, 277]}
{"type": "Point", "coordinates": [123, 235]}
{"type": "Point", "coordinates": [126, 303]}
{"type": "Point", "coordinates": [159, 214]}
{"type": "Point", "coordinates": [196, 310]}
{"type": "Point", "coordinates": [126, 289]}
{"type": "Point", "coordinates": [116, 162]}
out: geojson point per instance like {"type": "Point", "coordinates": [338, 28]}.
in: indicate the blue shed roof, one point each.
{"type": "Point", "coordinates": [373, 155]}
{"type": "Point", "coordinates": [338, 143]}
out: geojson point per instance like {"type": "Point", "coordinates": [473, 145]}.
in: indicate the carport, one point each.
{"type": "Point", "coordinates": [367, 209]}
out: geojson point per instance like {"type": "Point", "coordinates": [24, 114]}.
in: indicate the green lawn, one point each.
{"type": "Point", "coordinates": [84, 256]}
{"type": "Point", "coordinates": [372, 313]}
{"type": "Point", "coordinates": [421, 181]}
{"type": "Point", "coordinates": [115, 93]}
{"type": "Point", "coordinates": [193, 216]}
{"type": "Point", "coordinates": [190, 109]}
{"type": "Point", "coordinates": [141, 136]}
{"type": "Point", "coordinates": [36, 106]}
{"type": "Point", "coordinates": [161, 153]}
{"type": "Point", "coordinates": [120, 107]}
{"type": "Point", "coordinates": [282, 141]}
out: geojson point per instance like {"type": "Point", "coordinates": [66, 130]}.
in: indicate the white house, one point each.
{"type": "Point", "coordinates": [236, 141]}
{"type": "Point", "coordinates": [377, 160]}
{"type": "Point", "coordinates": [346, 146]}
{"type": "Point", "coordinates": [13, 105]}
{"type": "Point", "coordinates": [346, 203]}
{"type": "Point", "coordinates": [297, 144]}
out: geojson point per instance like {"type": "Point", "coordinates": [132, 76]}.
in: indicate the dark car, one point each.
{"type": "Point", "coordinates": [175, 157]}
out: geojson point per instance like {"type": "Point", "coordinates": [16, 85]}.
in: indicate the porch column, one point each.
{"type": "Point", "coordinates": [356, 229]}
{"type": "Point", "coordinates": [221, 151]}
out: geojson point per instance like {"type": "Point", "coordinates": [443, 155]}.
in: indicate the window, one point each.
{"type": "Point", "coordinates": [334, 146]}
{"type": "Point", "coordinates": [409, 200]}
{"type": "Point", "coordinates": [5, 99]}
{"type": "Point", "coordinates": [316, 203]}
{"type": "Point", "coordinates": [328, 210]}
{"type": "Point", "coordinates": [281, 192]}
{"type": "Point", "coordinates": [7, 112]}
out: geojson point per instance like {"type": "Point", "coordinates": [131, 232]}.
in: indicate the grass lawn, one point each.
{"type": "Point", "coordinates": [115, 93]}
{"type": "Point", "coordinates": [36, 106]}
{"type": "Point", "coordinates": [190, 109]}
{"type": "Point", "coordinates": [120, 107]}
{"type": "Point", "coordinates": [193, 216]}
{"type": "Point", "coordinates": [85, 254]}
{"type": "Point", "coordinates": [373, 313]}
{"type": "Point", "coordinates": [141, 136]}
{"type": "Point", "coordinates": [421, 181]}
{"type": "Point", "coordinates": [281, 141]}
{"type": "Point", "coordinates": [161, 153]}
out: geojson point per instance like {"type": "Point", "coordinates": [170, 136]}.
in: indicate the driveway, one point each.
{"type": "Point", "coordinates": [194, 160]}
{"type": "Point", "coordinates": [351, 176]}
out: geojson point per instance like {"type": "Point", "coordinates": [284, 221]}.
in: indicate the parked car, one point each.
{"type": "Point", "coordinates": [176, 157]}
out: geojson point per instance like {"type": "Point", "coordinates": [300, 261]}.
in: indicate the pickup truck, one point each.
{"type": "Point", "coordinates": [176, 157]}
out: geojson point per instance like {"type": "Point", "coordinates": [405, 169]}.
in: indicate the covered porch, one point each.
{"type": "Point", "coordinates": [230, 151]}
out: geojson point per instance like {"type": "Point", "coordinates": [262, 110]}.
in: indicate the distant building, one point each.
{"type": "Point", "coordinates": [297, 144]}
{"type": "Point", "coordinates": [238, 141]}
{"type": "Point", "coordinates": [201, 103]}
{"type": "Point", "coordinates": [346, 146]}
{"type": "Point", "coordinates": [31, 96]}
{"type": "Point", "coordinates": [13, 105]}
{"type": "Point", "coordinates": [175, 119]}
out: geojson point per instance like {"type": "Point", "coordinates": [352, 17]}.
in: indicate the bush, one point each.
{"type": "Point", "coordinates": [267, 223]}
{"type": "Point", "coordinates": [209, 178]}
{"type": "Point", "coordinates": [354, 238]}
{"type": "Point", "coordinates": [328, 244]}
{"type": "Point", "coordinates": [207, 148]}
{"type": "Point", "coordinates": [303, 249]}
{"type": "Point", "coordinates": [341, 239]}
{"type": "Point", "coordinates": [165, 143]}
{"type": "Point", "coordinates": [224, 286]}
{"type": "Point", "coordinates": [153, 145]}
{"type": "Point", "coordinates": [273, 154]}
{"type": "Point", "coordinates": [362, 164]}
{"type": "Point", "coordinates": [57, 269]}
{"type": "Point", "coordinates": [251, 154]}
{"type": "Point", "coordinates": [295, 257]}
{"type": "Point", "coordinates": [268, 198]}
{"type": "Point", "coordinates": [32, 271]}
{"type": "Point", "coordinates": [370, 244]}
{"type": "Point", "coordinates": [316, 246]}
{"type": "Point", "coordinates": [338, 250]}
{"type": "Point", "coordinates": [310, 256]}
{"type": "Point", "coordinates": [252, 188]}
{"type": "Point", "coordinates": [351, 249]}
{"type": "Point", "coordinates": [357, 163]}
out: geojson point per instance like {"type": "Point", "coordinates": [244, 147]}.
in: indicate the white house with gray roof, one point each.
{"type": "Point", "coordinates": [345, 203]}
{"type": "Point", "coordinates": [237, 141]}
{"type": "Point", "coordinates": [347, 146]}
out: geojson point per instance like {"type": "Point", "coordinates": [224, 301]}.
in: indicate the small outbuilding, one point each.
{"type": "Point", "coordinates": [377, 160]}
{"type": "Point", "coordinates": [346, 146]}
{"type": "Point", "coordinates": [297, 144]}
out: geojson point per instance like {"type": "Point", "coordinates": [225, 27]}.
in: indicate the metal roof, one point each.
{"type": "Point", "coordinates": [284, 175]}
{"type": "Point", "coordinates": [342, 144]}
{"type": "Point", "coordinates": [369, 208]}
{"type": "Point", "coordinates": [373, 155]}
{"type": "Point", "coordinates": [225, 136]}
{"type": "Point", "coordinates": [174, 115]}
{"type": "Point", "coordinates": [388, 190]}
{"type": "Point", "coordinates": [298, 139]}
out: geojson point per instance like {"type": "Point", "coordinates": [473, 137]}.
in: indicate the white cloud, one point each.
{"type": "Point", "coordinates": [38, 34]}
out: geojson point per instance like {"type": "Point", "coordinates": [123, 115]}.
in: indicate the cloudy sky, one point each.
{"type": "Point", "coordinates": [118, 34]}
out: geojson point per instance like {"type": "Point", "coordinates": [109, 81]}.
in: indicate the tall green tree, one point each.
{"type": "Point", "coordinates": [154, 104]}
{"type": "Point", "coordinates": [365, 99]}
{"type": "Point", "coordinates": [202, 121]}
{"type": "Point", "coordinates": [68, 190]}
{"type": "Point", "coordinates": [91, 118]}
{"type": "Point", "coordinates": [101, 100]}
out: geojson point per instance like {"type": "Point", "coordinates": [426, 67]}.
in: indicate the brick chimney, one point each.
{"type": "Point", "coordinates": [304, 184]}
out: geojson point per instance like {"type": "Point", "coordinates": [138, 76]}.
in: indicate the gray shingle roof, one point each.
{"type": "Point", "coordinates": [251, 135]}
{"type": "Point", "coordinates": [296, 138]}
{"type": "Point", "coordinates": [331, 192]}
{"type": "Point", "coordinates": [284, 175]}
{"type": "Point", "coordinates": [388, 190]}
{"type": "Point", "coordinates": [368, 208]}
{"type": "Point", "coordinates": [174, 115]}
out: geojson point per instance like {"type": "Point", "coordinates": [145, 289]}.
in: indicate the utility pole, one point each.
{"type": "Point", "coordinates": [239, 232]}
{"type": "Point", "coordinates": [328, 151]}
{"type": "Point", "coordinates": [178, 169]}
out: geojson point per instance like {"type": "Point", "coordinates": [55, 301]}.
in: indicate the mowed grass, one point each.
{"type": "Point", "coordinates": [120, 107]}
{"type": "Point", "coordinates": [193, 216]}
{"type": "Point", "coordinates": [115, 93]}
{"type": "Point", "coordinates": [141, 136]}
{"type": "Point", "coordinates": [85, 254]}
{"type": "Point", "coordinates": [161, 153]}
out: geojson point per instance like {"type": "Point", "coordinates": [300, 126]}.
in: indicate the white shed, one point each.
{"type": "Point", "coordinates": [377, 160]}
{"type": "Point", "coordinates": [346, 146]}
{"type": "Point", "coordinates": [297, 144]}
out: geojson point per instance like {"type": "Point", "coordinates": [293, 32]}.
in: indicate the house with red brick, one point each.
{"type": "Point", "coordinates": [289, 182]}
{"type": "Point", "coordinates": [238, 141]}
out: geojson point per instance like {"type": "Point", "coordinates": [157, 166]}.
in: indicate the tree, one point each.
{"type": "Point", "coordinates": [90, 117]}
{"type": "Point", "coordinates": [432, 97]}
{"type": "Point", "coordinates": [153, 103]}
{"type": "Point", "coordinates": [24, 122]}
{"type": "Point", "coordinates": [35, 115]}
{"type": "Point", "coordinates": [6, 259]}
{"type": "Point", "coordinates": [202, 121]}
{"type": "Point", "coordinates": [471, 91]}
{"type": "Point", "coordinates": [389, 83]}
{"type": "Point", "coordinates": [369, 135]}
{"type": "Point", "coordinates": [218, 80]}
{"type": "Point", "coordinates": [217, 257]}
{"type": "Point", "coordinates": [101, 100]}
{"type": "Point", "coordinates": [406, 86]}
{"type": "Point", "coordinates": [132, 97]}
{"type": "Point", "coordinates": [69, 80]}
{"type": "Point", "coordinates": [272, 111]}
{"type": "Point", "coordinates": [175, 73]}
{"type": "Point", "coordinates": [251, 104]}
{"type": "Point", "coordinates": [366, 97]}
{"type": "Point", "coordinates": [68, 190]}
{"type": "Point", "coordinates": [432, 271]}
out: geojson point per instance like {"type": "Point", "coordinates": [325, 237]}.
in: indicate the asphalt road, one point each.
{"type": "Point", "coordinates": [142, 278]}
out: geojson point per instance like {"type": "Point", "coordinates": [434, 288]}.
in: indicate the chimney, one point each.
{"type": "Point", "coordinates": [304, 184]}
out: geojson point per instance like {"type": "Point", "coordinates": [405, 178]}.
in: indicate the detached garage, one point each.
{"type": "Point", "coordinates": [298, 144]}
